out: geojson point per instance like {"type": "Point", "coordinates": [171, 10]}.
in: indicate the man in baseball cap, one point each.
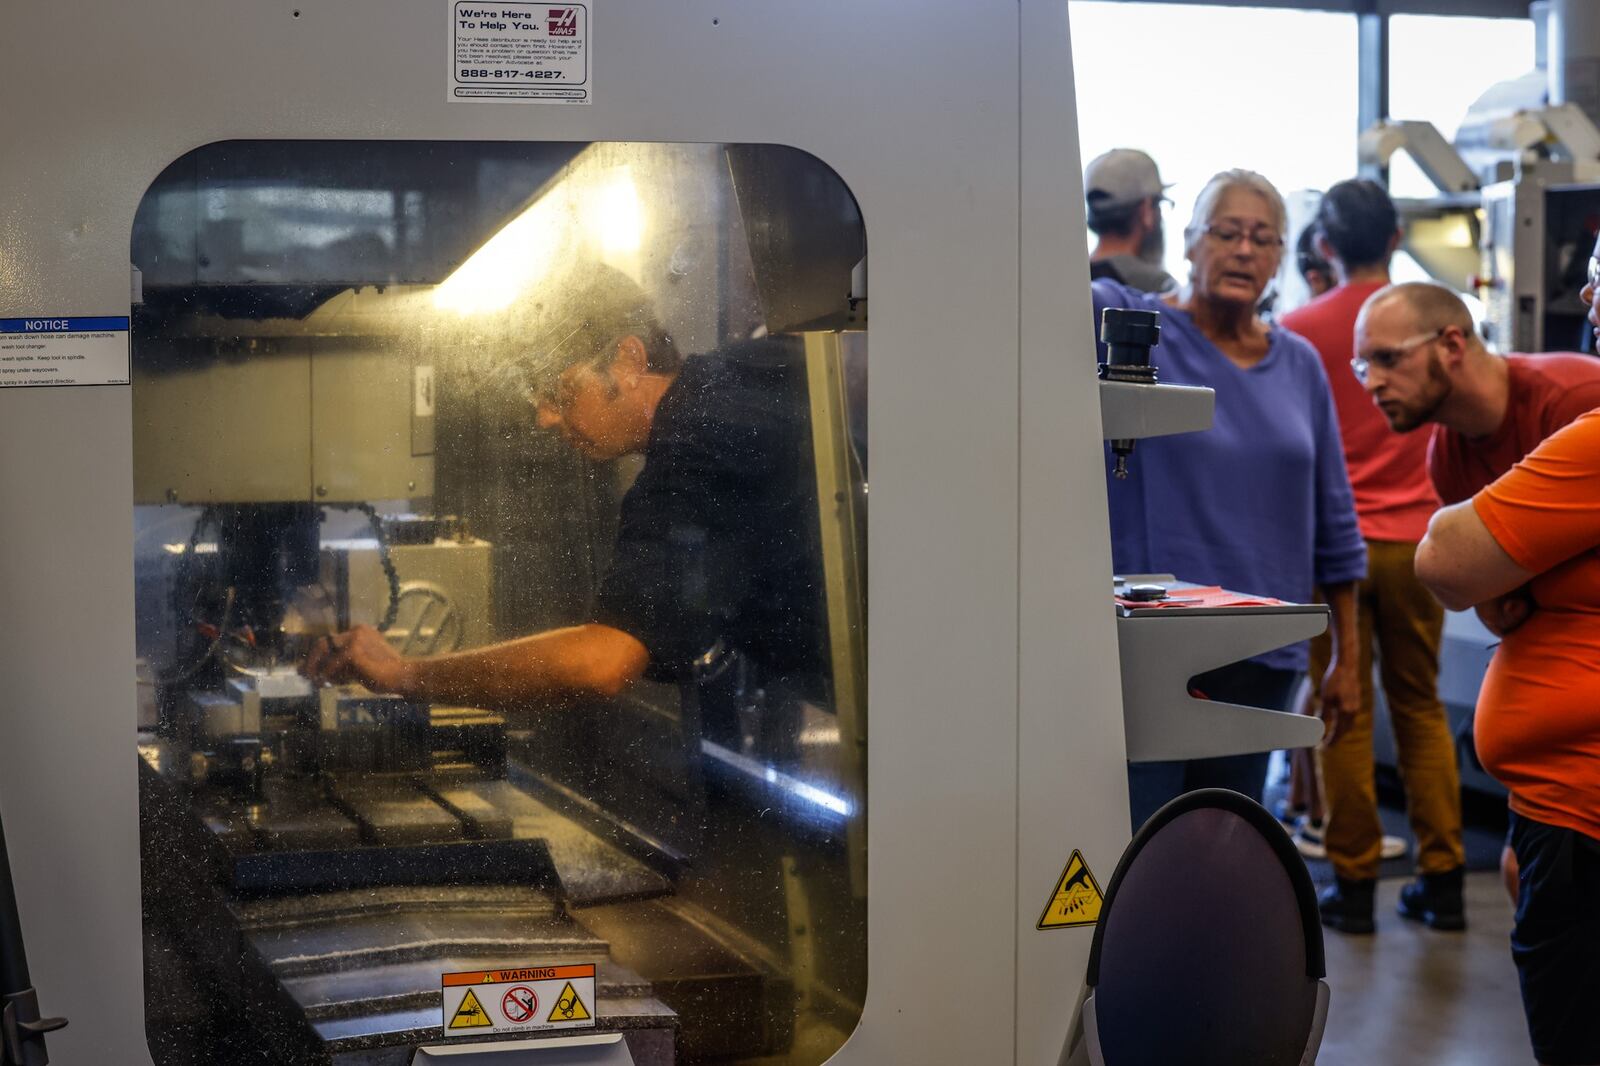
{"type": "Point", "coordinates": [1124, 194]}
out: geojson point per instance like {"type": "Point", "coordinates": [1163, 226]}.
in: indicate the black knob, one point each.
{"type": "Point", "coordinates": [1128, 336]}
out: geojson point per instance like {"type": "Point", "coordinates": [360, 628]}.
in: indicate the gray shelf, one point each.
{"type": "Point", "coordinates": [1162, 648]}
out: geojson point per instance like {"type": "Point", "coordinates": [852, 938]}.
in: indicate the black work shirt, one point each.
{"type": "Point", "coordinates": [719, 535]}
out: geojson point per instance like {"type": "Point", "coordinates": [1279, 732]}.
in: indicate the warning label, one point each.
{"type": "Point", "coordinates": [512, 1000]}
{"type": "Point", "coordinates": [1076, 899]}
{"type": "Point", "coordinates": [63, 350]}
{"type": "Point", "coordinates": [528, 52]}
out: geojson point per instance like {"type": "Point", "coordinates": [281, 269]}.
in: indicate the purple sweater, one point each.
{"type": "Point", "coordinates": [1259, 503]}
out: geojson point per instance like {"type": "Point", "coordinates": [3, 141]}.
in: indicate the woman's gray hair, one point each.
{"type": "Point", "coordinates": [1205, 205]}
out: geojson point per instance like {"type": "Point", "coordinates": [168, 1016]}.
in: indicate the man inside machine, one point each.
{"type": "Point", "coordinates": [717, 567]}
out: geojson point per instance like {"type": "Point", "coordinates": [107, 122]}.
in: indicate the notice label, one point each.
{"type": "Point", "coordinates": [521, 1000]}
{"type": "Point", "coordinates": [527, 52]}
{"type": "Point", "coordinates": [63, 350]}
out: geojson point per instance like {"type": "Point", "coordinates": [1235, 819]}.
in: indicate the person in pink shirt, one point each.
{"type": "Point", "coordinates": [1358, 231]}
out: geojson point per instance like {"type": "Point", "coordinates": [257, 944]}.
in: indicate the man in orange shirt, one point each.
{"type": "Point", "coordinates": [1421, 361]}
{"type": "Point", "coordinates": [1538, 721]}
{"type": "Point", "coordinates": [1358, 231]}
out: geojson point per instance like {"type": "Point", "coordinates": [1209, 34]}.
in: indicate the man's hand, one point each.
{"type": "Point", "coordinates": [1504, 613]}
{"type": "Point", "coordinates": [362, 656]}
{"type": "Point", "coordinates": [1341, 697]}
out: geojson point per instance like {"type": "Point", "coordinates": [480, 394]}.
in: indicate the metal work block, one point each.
{"type": "Point", "coordinates": [217, 716]}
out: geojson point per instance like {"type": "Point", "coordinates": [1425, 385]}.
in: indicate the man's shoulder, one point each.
{"type": "Point", "coordinates": [1336, 309]}
{"type": "Point", "coordinates": [1557, 369]}
{"type": "Point", "coordinates": [1579, 439]}
{"type": "Point", "coordinates": [1141, 274]}
{"type": "Point", "coordinates": [743, 387]}
{"type": "Point", "coordinates": [1571, 456]}
{"type": "Point", "coordinates": [1559, 386]}
{"type": "Point", "coordinates": [741, 363]}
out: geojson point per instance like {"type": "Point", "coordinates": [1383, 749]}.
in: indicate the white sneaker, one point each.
{"type": "Point", "coordinates": [1392, 847]}
{"type": "Point", "coordinates": [1308, 839]}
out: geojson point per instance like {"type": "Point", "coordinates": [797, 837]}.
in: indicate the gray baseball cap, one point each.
{"type": "Point", "coordinates": [1121, 176]}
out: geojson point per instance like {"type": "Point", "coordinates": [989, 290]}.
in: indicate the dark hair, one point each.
{"type": "Point", "coordinates": [1359, 220]}
{"type": "Point", "coordinates": [1113, 220]}
{"type": "Point", "coordinates": [1306, 257]}
{"type": "Point", "coordinates": [584, 312]}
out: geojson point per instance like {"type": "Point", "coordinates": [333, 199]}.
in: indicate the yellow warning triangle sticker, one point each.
{"type": "Point", "coordinates": [470, 1015]}
{"type": "Point", "coordinates": [568, 1008]}
{"type": "Point", "coordinates": [1076, 899]}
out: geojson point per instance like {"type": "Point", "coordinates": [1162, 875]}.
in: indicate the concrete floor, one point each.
{"type": "Point", "coordinates": [1411, 995]}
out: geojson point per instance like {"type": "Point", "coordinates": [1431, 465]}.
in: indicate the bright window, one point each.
{"type": "Point", "coordinates": [1428, 80]}
{"type": "Point", "coordinates": [1204, 88]}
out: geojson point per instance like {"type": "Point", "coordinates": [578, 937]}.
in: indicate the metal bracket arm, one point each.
{"type": "Point", "coordinates": [1135, 412]}
{"type": "Point", "coordinates": [1160, 652]}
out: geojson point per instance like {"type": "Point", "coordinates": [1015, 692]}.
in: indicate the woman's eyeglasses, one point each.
{"type": "Point", "coordinates": [1230, 235]}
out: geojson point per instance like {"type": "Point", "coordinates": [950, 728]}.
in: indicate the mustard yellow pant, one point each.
{"type": "Point", "coordinates": [1402, 623]}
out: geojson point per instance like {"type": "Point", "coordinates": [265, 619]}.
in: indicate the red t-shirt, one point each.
{"type": "Point", "coordinates": [1388, 470]}
{"type": "Point", "coordinates": [1547, 392]}
{"type": "Point", "coordinates": [1538, 722]}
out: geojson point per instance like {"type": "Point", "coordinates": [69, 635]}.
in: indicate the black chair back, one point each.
{"type": "Point", "coordinates": [1209, 950]}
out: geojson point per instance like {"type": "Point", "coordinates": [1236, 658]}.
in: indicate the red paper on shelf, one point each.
{"type": "Point", "coordinates": [1205, 596]}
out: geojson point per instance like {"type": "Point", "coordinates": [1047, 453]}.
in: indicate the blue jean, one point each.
{"type": "Point", "coordinates": [1151, 785]}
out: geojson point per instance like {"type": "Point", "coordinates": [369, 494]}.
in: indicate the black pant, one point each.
{"type": "Point", "coordinates": [1152, 784]}
{"type": "Point", "coordinates": [1556, 941]}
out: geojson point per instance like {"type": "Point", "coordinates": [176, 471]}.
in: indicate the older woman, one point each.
{"type": "Point", "coordinates": [1260, 503]}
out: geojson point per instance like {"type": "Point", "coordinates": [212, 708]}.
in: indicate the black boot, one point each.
{"type": "Point", "coordinates": [1436, 900]}
{"type": "Point", "coordinates": [1346, 906]}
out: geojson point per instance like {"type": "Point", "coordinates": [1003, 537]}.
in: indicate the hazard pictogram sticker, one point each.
{"type": "Point", "coordinates": [470, 1014]}
{"type": "Point", "coordinates": [1077, 897]}
{"type": "Point", "coordinates": [519, 1004]}
{"type": "Point", "coordinates": [569, 1007]}
{"type": "Point", "coordinates": [518, 999]}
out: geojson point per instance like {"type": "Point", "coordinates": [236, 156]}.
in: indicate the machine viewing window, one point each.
{"type": "Point", "coordinates": [500, 576]}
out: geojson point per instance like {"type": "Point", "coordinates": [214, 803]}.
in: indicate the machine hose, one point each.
{"type": "Point", "coordinates": [383, 560]}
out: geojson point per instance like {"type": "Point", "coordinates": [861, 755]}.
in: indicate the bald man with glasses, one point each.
{"type": "Point", "coordinates": [1419, 358]}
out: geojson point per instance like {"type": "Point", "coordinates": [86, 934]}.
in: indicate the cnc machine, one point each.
{"type": "Point", "coordinates": [298, 411]}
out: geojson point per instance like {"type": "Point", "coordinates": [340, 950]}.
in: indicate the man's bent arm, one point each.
{"type": "Point", "coordinates": [1461, 562]}
{"type": "Point", "coordinates": [592, 659]}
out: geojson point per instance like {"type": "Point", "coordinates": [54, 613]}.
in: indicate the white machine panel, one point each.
{"type": "Point", "coordinates": [996, 735]}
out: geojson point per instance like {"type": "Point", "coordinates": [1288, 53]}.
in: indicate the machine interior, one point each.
{"type": "Point", "coordinates": [333, 427]}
